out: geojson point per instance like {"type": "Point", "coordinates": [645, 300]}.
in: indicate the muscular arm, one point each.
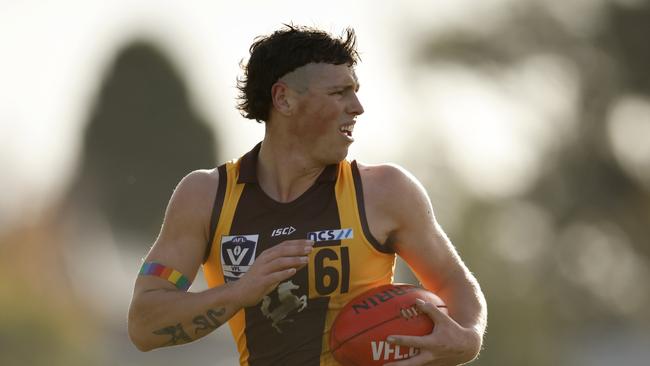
{"type": "Point", "coordinates": [409, 225]}
{"type": "Point", "coordinates": [161, 315]}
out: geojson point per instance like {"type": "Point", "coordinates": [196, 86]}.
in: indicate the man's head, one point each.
{"type": "Point", "coordinates": [273, 57]}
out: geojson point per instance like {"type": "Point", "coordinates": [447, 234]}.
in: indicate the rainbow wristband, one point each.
{"type": "Point", "coordinates": [168, 273]}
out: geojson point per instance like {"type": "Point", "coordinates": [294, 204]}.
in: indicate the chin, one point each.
{"type": "Point", "coordinates": [332, 153]}
{"type": "Point", "coordinates": [339, 156]}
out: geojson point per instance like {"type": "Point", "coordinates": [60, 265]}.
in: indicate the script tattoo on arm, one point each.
{"type": "Point", "coordinates": [177, 334]}
{"type": "Point", "coordinates": [210, 321]}
{"type": "Point", "coordinates": [207, 323]}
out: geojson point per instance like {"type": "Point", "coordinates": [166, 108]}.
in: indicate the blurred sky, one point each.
{"type": "Point", "coordinates": [53, 55]}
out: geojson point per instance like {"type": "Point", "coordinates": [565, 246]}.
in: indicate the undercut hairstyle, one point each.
{"type": "Point", "coordinates": [273, 56]}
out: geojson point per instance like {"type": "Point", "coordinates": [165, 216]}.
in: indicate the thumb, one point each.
{"type": "Point", "coordinates": [434, 312]}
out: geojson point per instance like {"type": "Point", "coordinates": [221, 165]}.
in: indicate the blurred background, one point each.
{"type": "Point", "coordinates": [528, 121]}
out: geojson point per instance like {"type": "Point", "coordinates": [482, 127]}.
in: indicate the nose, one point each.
{"type": "Point", "coordinates": [355, 107]}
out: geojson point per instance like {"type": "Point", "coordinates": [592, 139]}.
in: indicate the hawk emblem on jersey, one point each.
{"type": "Point", "coordinates": [288, 303]}
{"type": "Point", "coordinates": [237, 255]}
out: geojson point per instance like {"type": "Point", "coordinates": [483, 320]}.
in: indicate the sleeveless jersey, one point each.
{"type": "Point", "coordinates": [291, 325]}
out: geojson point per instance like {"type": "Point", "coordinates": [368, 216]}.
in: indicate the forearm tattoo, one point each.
{"type": "Point", "coordinates": [177, 334]}
{"type": "Point", "coordinates": [210, 321]}
{"type": "Point", "coordinates": [204, 323]}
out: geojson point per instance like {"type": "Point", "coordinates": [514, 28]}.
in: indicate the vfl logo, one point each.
{"type": "Point", "coordinates": [330, 235]}
{"type": "Point", "coordinates": [288, 303]}
{"type": "Point", "coordinates": [284, 231]}
{"type": "Point", "coordinates": [237, 255]}
{"type": "Point", "coordinates": [383, 351]}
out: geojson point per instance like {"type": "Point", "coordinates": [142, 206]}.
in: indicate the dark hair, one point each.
{"type": "Point", "coordinates": [287, 49]}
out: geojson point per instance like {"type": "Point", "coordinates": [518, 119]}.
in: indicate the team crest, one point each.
{"type": "Point", "coordinates": [288, 302]}
{"type": "Point", "coordinates": [237, 255]}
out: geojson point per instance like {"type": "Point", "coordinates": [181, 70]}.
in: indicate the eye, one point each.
{"type": "Point", "coordinates": [339, 92]}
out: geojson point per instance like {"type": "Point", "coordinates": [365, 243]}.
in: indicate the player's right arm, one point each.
{"type": "Point", "coordinates": [162, 315]}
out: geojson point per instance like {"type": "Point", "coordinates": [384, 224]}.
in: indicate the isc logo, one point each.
{"type": "Point", "coordinates": [329, 235]}
{"type": "Point", "coordinates": [284, 231]}
{"type": "Point", "coordinates": [384, 351]}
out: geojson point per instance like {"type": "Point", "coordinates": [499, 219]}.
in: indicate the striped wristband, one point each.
{"type": "Point", "coordinates": [170, 274]}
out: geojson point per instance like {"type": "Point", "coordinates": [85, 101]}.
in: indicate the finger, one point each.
{"type": "Point", "coordinates": [292, 245]}
{"type": "Point", "coordinates": [286, 250]}
{"type": "Point", "coordinates": [409, 341]}
{"type": "Point", "coordinates": [279, 276]}
{"type": "Point", "coordinates": [437, 315]}
{"type": "Point", "coordinates": [297, 242]}
{"type": "Point", "coordinates": [283, 263]}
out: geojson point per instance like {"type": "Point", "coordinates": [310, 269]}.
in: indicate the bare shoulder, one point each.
{"type": "Point", "coordinates": [387, 173]}
{"type": "Point", "coordinates": [386, 182]}
{"type": "Point", "coordinates": [192, 200]}
{"type": "Point", "coordinates": [394, 201]}
{"type": "Point", "coordinates": [197, 184]}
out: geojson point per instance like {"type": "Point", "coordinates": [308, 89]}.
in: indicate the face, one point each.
{"type": "Point", "coordinates": [326, 108]}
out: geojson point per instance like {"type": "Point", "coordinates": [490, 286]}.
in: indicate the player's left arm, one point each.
{"type": "Point", "coordinates": [398, 204]}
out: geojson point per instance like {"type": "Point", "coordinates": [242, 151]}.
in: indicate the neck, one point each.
{"type": "Point", "coordinates": [284, 169]}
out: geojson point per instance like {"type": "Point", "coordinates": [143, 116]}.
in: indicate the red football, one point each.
{"type": "Point", "coordinates": [358, 335]}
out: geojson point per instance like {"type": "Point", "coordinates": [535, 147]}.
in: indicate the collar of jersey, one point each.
{"type": "Point", "coordinates": [248, 168]}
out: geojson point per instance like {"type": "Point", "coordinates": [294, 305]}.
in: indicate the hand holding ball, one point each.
{"type": "Point", "coordinates": [358, 335]}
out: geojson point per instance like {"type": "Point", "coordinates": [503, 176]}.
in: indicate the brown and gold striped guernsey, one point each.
{"type": "Point", "coordinates": [291, 325]}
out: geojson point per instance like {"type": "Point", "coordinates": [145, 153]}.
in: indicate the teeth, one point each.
{"type": "Point", "coordinates": [347, 128]}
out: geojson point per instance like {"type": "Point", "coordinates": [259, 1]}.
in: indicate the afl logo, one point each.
{"type": "Point", "coordinates": [237, 255]}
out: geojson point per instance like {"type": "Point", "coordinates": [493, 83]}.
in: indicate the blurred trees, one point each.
{"type": "Point", "coordinates": [142, 138]}
{"type": "Point", "coordinates": [588, 212]}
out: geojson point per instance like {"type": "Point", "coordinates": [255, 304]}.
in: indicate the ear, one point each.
{"type": "Point", "coordinates": [282, 98]}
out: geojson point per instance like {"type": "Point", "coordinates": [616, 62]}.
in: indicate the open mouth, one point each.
{"type": "Point", "coordinates": [347, 130]}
